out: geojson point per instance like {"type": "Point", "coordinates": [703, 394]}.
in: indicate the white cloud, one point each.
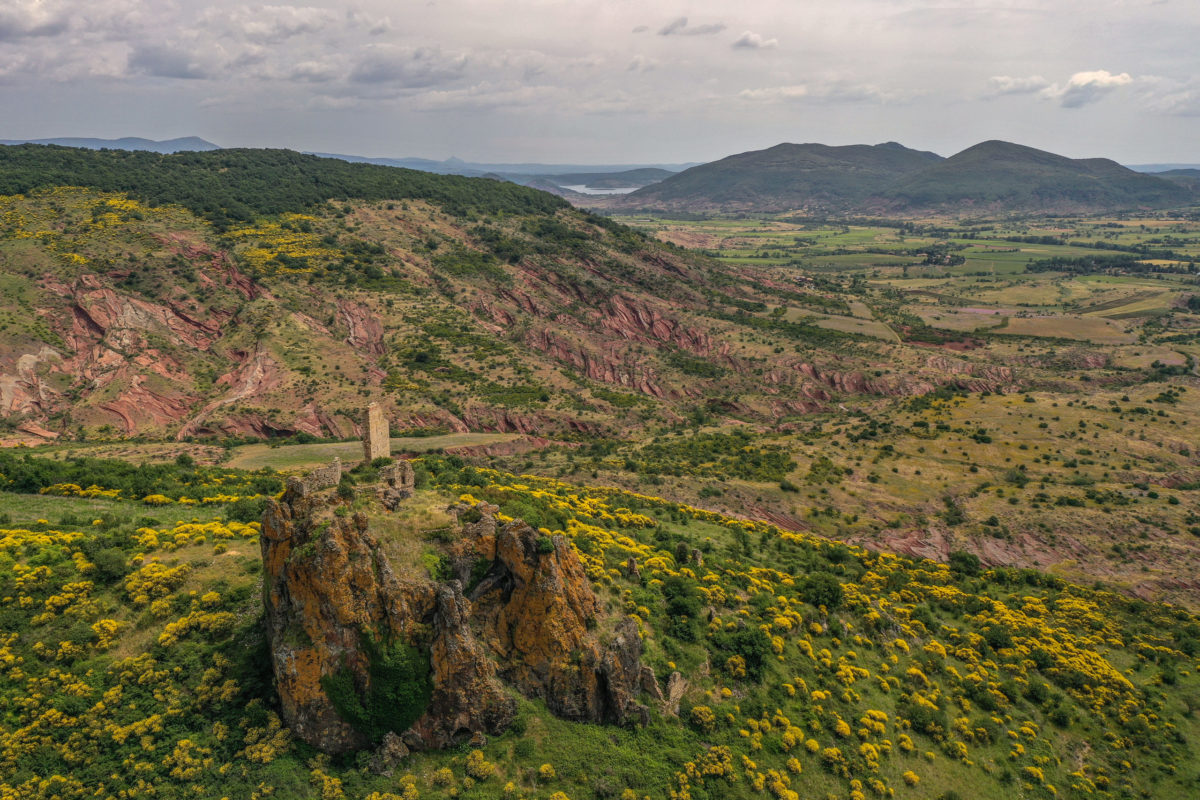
{"type": "Point", "coordinates": [274, 24]}
{"type": "Point", "coordinates": [775, 93]}
{"type": "Point", "coordinates": [374, 26]}
{"type": "Point", "coordinates": [679, 27]}
{"type": "Point", "coordinates": [313, 72]}
{"type": "Point", "coordinates": [20, 19]}
{"type": "Point", "coordinates": [836, 91]}
{"type": "Point", "coordinates": [1083, 88]}
{"type": "Point", "coordinates": [1173, 97]}
{"type": "Point", "coordinates": [753, 41]}
{"type": "Point", "coordinates": [1005, 84]}
{"type": "Point", "coordinates": [487, 96]}
{"type": "Point", "coordinates": [168, 61]}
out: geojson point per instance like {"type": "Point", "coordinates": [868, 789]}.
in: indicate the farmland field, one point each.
{"type": "Point", "coordinates": [1088, 329]}
{"type": "Point", "coordinates": [989, 277]}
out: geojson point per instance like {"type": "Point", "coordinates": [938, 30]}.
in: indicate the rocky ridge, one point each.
{"type": "Point", "coordinates": [532, 624]}
{"type": "Point", "coordinates": [177, 337]}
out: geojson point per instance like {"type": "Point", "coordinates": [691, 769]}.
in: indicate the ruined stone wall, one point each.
{"type": "Point", "coordinates": [321, 477]}
{"type": "Point", "coordinates": [376, 437]}
{"type": "Point", "coordinates": [397, 483]}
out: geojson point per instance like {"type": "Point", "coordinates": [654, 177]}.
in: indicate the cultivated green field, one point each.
{"type": "Point", "coordinates": [994, 278]}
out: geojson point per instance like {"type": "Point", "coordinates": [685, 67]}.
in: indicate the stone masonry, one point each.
{"type": "Point", "coordinates": [376, 437]}
{"type": "Point", "coordinates": [319, 478]}
{"type": "Point", "coordinates": [396, 483]}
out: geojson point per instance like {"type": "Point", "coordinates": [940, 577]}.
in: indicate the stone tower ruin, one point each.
{"type": "Point", "coordinates": [376, 438]}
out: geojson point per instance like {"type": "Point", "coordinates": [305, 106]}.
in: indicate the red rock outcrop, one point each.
{"type": "Point", "coordinates": [532, 622]}
{"type": "Point", "coordinates": [366, 331]}
{"type": "Point", "coordinates": [632, 319]}
{"type": "Point", "coordinates": [257, 374]}
{"type": "Point", "coordinates": [613, 367]}
{"type": "Point", "coordinates": [100, 310]}
{"type": "Point", "coordinates": [23, 391]}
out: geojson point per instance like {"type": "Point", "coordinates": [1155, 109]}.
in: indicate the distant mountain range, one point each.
{"type": "Point", "coordinates": [1187, 178]}
{"type": "Point", "coordinates": [1161, 167]}
{"type": "Point", "coordinates": [184, 144]}
{"type": "Point", "coordinates": [991, 177]}
{"type": "Point", "coordinates": [888, 178]}
{"type": "Point", "coordinates": [478, 169]}
{"type": "Point", "coordinates": [785, 177]}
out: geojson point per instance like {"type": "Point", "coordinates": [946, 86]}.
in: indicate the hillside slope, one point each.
{"type": "Point", "coordinates": [784, 178]}
{"type": "Point", "coordinates": [758, 662]}
{"type": "Point", "coordinates": [991, 177]}
{"type": "Point", "coordinates": [475, 306]}
{"type": "Point", "coordinates": [463, 304]}
{"type": "Point", "coordinates": [1000, 176]}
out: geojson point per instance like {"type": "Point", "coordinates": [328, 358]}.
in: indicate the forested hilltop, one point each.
{"type": "Point", "coordinates": [989, 178]}
{"type": "Point", "coordinates": [238, 185]}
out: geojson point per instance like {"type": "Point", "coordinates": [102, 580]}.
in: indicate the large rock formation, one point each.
{"type": "Point", "coordinates": [327, 586]}
{"type": "Point", "coordinates": [531, 622]}
{"type": "Point", "coordinates": [538, 613]}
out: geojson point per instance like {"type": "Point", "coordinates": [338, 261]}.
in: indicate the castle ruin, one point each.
{"type": "Point", "coordinates": [317, 479]}
{"type": "Point", "coordinates": [376, 437]}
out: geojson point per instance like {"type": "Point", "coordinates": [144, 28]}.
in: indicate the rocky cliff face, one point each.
{"type": "Point", "coordinates": [537, 612]}
{"type": "Point", "coordinates": [532, 624]}
{"type": "Point", "coordinates": [173, 339]}
{"type": "Point", "coordinates": [328, 586]}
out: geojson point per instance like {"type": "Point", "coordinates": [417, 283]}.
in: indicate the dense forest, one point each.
{"type": "Point", "coordinates": [238, 185]}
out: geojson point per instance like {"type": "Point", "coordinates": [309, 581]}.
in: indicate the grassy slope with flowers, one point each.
{"type": "Point", "coordinates": [132, 664]}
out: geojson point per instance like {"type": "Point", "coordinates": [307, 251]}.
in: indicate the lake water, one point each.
{"type": "Point", "coordinates": [587, 190]}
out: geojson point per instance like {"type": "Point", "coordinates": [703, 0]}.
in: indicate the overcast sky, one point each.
{"type": "Point", "coordinates": [609, 81]}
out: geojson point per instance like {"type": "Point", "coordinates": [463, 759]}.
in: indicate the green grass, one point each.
{"type": "Point", "coordinates": [291, 458]}
{"type": "Point", "coordinates": [26, 508]}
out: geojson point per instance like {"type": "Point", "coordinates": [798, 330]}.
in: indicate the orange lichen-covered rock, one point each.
{"type": "Point", "coordinates": [314, 625]}
{"type": "Point", "coordinates": [327, 585]}
{"type": "Point", "coordinates": [331, 595]}
{"type": "Point", "coordinates": [537, 611]}
{"type": "Point", "coordinates": [467, 699]}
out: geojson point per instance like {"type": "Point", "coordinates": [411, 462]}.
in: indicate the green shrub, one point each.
{"type": "Point", "coordinates": [399, 689]}
{"type": "Point", "coordinates": [822, 589]}
{"type": "Point", "coordinates": [246, 509]}
{"type": "Point", "coordinates": [965, 563]}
